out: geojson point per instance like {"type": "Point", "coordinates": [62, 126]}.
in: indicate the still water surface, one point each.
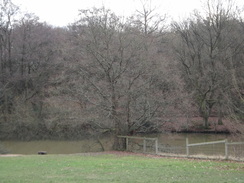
{"type": "Point", "coordinates": [94, 145]}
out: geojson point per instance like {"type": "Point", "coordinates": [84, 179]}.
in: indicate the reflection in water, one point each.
{"type": "Point", "coordinates": [58, 146]}
{"type": "Point", "coordinates": [93, 145]}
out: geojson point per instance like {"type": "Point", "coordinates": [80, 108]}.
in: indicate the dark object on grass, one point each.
{"type": "Point", "coordinates": [42, 152]}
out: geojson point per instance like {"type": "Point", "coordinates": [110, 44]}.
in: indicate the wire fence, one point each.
{"type": "Point", "coordinates": [236, 151]}
{"type": "Point", "coordinates": [209, 150]}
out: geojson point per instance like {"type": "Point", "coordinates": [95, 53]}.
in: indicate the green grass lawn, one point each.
{"type": "Point", "coordinates": [114, 168]}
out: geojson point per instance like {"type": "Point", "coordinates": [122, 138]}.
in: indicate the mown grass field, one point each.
{"type": "Point", "coordinates": [106, 168]}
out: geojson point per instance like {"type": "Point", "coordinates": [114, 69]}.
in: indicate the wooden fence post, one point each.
{"type": "Point", "coordinates": [144, 145]}
{"type": "Point", "coordinates": [187, 147]}
{"type": "Point", "coordinates": [226, 149]}
{"type": "Point", "coordinates": [156, 146]}
{"type": "Point", "coordinates": [127, 143]}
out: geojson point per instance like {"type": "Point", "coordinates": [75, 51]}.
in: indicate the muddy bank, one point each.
{"type": "Point", "coordinates": [195, 125]}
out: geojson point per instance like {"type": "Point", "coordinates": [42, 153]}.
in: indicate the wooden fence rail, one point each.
{"type": "Point", "coordinates": [225, 142]}
{"type": "Point", "coordinates": [205, 143]}
{"type": "Point", "coordinates": [144, 142]}
{"type": "Point", "coordinates": [158, 147]}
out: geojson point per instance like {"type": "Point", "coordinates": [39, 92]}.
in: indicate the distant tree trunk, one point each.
{"type": "Point", "coordinates": [206, 125]}
{"type": "Point", "coordinates": [128, 117]}
{"type": "Point", "coordinates": [220, 115]}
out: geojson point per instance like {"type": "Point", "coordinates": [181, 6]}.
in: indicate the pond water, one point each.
{"type": "Point", "coordinates": [105, 143]}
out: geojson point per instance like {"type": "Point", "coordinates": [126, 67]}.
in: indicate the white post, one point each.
{"type": "Point", "coordinates": [187, 147]}
{"type": "Point", "coordinates": [226, 149]}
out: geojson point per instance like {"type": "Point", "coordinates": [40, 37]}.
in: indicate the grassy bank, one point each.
{"type": "Point", "coordinates": [115, 168]}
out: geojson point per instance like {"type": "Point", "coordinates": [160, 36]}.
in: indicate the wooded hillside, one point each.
{"type": "Point", "coordinates": [111, 74]}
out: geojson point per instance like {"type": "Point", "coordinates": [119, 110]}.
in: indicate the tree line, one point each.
{"type": "Point", "coordinates": [110, 74]}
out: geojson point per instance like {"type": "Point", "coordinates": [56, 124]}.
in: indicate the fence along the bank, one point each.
{"type": "Point", "coordinates": [216, 149]}
{"type": "Point", "coordinates": [141, 143]}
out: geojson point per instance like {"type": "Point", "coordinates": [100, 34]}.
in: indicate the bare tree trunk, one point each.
{"type": "Point", "coordinates": [118, 145]}
{"type": "Point", "coordinates": [206, 122]}
{"type": "Point", "coordinates": [220, 115]}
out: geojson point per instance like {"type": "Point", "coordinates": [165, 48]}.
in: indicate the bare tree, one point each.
{"type": "Point", "coordinates": [7, 18]}
{"type": "Point", "coordinates": [33, 53]}
{"type": "Point", "coordinates": [207, 46]}
{"type": "Point", "coordinates": [148, 21]}
{"type": "Point", "coordinates": [118, 74]}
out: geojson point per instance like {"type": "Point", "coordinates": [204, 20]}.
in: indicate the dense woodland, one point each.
{"type": "Point", "coordinates": [121, 75]}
